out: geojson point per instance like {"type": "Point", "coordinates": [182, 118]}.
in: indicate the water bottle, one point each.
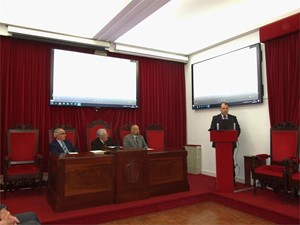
{"type": "Point", "coordinates": [218, 128]}
{"type": "Point", "coordinates": [234, 126]}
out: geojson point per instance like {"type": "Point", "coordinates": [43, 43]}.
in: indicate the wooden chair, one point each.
{"type": "Point", "coordinates": [284, 145]}
{"type": "Point", "coordinates": [124, 130]}
{"type": "Point", "coordinates": [23, 166]}
{"type": "Point", "coordinates": [70, 133]}
{"type": "Point", "coordinates": [155, 136]}
{"type": "Point", "coordinates": [92, 131]}
{"type": "Point", "coordinates": [293, 179]}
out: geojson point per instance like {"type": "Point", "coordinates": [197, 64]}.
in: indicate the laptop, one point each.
{"type": "Point", "coordinates": [227, 125]}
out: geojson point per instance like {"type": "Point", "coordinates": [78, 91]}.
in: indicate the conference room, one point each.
{"type": "Point", "coordinates": [109, 69]}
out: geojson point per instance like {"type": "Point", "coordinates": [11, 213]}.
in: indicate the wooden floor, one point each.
{"type": "Point", "coordinates": [208, 213]}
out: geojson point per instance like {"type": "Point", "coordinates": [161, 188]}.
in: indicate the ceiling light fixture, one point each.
{"type": "Point", "coordinates": [55, 36]}
{"type": "Point", "coordinates": [133, 50]}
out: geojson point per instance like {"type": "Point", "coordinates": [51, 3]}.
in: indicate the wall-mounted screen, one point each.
{"type": "Point", "coordinates": [234, 77]}
{"type": "Point", "coordinates": [81, 79]}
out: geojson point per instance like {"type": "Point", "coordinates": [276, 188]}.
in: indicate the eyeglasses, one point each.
{"type": "Point", "coordinates": [62, 133]}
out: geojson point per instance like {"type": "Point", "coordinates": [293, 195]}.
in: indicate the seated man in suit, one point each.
{"type": "Point", "coordinates": [102, 140]}
{"type": "Point", "coordinates": [134, 139]}
{"type": "Point", "coordinates": [60, 144]}
{"type": "Point", "coordinates": [26, 218]}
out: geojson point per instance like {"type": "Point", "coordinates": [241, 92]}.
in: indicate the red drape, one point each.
{"type": "Point", "coordinates": [282, 64]}
{"type": "Point", "coordinates": [25, 85]}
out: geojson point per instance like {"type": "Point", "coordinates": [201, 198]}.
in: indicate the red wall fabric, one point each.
{"type": "Point", "coordinates": [282, 45]}
{"type": "Point", "coordinates": [25, 86]}
{"type": "Point", "coordinates": [280, 28]}
{"type": "Point", "coordinates": [283, 78]}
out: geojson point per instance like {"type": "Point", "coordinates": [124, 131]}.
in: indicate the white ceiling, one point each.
{"type": "Point", "coordinates": [176, 26]}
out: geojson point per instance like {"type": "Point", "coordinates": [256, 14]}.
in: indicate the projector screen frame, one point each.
{"type": "Point", "coordinates": [212, 82]}
{"type": "Point", "coordinates": [93, 81]}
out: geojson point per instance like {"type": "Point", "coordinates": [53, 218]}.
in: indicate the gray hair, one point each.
{"type": "Point", "coordinates": [101, 131]}
{"type": "Point", "coordinates": [56, 132]}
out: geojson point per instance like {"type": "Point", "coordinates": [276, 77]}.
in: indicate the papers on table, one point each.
{"type": "Point", "coordinates": [111, 147]}
{"type": "Point", "coordinates": [98, 151]}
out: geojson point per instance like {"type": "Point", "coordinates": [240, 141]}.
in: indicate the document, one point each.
{"type": "Point", "coordinates": [98, 151]}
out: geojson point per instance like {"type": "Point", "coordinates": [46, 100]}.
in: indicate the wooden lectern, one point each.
{"type": "Point", "coordinates": [224, 158]}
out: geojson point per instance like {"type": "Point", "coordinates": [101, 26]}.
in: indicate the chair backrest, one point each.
{"type": "Point", "coordinates": [124, 130]}
{"type": "Point", "coordinates": [92, 131]}
{"type": "Point", "coordinates": [155, 136]}
{"type": "Point", "coordinates": [22, 144]}
{"type": "Point", "coordinates": [284, 143]}
{"type": "Point", "coordinates": [70, 133]}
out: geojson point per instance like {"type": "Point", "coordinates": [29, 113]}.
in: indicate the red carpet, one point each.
{"type": "Point", "coordinates": [266, 204]}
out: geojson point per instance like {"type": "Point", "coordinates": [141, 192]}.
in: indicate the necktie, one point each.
{"type": "Point", "coordinates": [224, 117]}
{"type": "Point", "coordinates": [63, 145]}
{"type": "Point", "coordinates": [136, 140]}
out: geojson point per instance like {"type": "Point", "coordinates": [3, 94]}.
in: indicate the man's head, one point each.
{"type": "Point", "coordinates": [60, 134]}
{"type": "Point", "coordinates": [224, 107]}
{"type": "Point", "coordinates": [134, 129]}
{"type": "Point", "coordinates": [102, 134]}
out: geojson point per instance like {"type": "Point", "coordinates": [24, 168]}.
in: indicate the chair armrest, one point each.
{"type": "Point", "coordinates": [7, 161]}
{"type": "Point", "coordinates": [257, 158]}
{"type": "Point", "coordinates": [6, 166]}
{"type": "Point", "coordinates": [262, 156]}
{"type": "Point", "coordinates": [39, 156]}
{"type": "Point", "coordinates": [291, 165]}
{"type": "Point", "coordinates": [39, 160]}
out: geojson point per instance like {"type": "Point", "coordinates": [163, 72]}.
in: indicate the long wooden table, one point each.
{"type": "Point", "coordinates": [90, 179]}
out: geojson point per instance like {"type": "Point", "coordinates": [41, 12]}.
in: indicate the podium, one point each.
{"type": "Point", "coordinates": [224, 158]}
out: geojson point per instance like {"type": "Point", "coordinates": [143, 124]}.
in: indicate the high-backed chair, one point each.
{"type": "Point", "coordinates": [124, 130]}
{"type": "Point", "coordinates": [92, 131]}
{"type": "Point", "coordinates": [284, 145]}
{"type": "Point", "coordinates": [23, 166]}
{"type": "Point", "coordinates": [155, 136]}
{"type": "Point", "coordinates": [70, 133]}
{"type": "Point", "coordinates": [293, 175]}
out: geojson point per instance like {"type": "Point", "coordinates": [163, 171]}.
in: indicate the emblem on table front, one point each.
{"type": "Point", "coordinates": [132, 172]}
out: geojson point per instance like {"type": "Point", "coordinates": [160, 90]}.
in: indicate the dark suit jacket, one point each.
{"type": "Point", "coordinates": [218, 119]}
{"type": "Point", "coordinates": [129, 142]}
{"type": "Point", "coordinates": [98, 144]}
{"type": "Point", "coordinates": [55, 147]}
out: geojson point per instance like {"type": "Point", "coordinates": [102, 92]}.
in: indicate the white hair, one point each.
{"type": "Point", "coordinates": [101, 131]}
{"type": "Point", "coordinates": [56, 132]}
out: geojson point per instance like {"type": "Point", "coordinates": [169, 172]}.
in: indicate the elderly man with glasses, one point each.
{"type": "Point", "coordinates": [60, 144]}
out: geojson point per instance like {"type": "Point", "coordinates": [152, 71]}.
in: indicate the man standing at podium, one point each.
{"type": "Point", "coordinates": [225, 121]}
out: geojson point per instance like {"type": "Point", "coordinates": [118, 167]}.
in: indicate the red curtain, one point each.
{"type": "Point", "coordinates": [282, 64]}
{"type": "Point", "coordinates": [25, 86]}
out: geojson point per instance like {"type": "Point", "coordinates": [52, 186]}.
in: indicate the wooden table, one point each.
{"type": "Point", "coordinates": [87, 179]}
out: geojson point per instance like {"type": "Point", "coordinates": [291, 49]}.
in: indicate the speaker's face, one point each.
{"type": "Point", "coordinates": [224, 109]}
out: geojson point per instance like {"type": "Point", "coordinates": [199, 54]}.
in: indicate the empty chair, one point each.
{"type": "Point", "coordinates": [284, 145]}
{"type": "Point", "coordinates": [293, 178]}
{"type": "Point", "coordinates": [23, 165]}
{"type": "Point", "coordinates": [155, 136]}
